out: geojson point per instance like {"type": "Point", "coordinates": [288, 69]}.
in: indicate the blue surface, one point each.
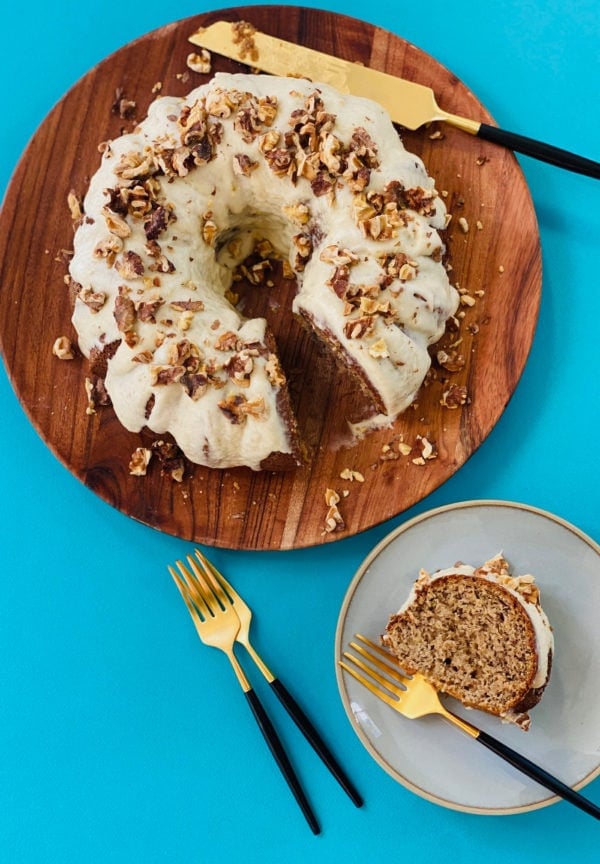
{"type": "Point", "coordinates": [122, 738]}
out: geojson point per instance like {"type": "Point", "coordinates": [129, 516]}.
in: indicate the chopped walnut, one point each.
{"type": "Point", "coordinates": [187, 305]}
{"type": "Point", "coordinates": [303, 245]}
{"type": "Point", "coordinates": [255, 273]}
{"type": "Point", "coordinates": [334, 255]}
{"type": "Point", "coordinates": [161, 263]}
{"type": "Point", "coordinates": [170, 458]}
{"type": "Point", "coordinates": [209, 229]}
{"type": "Point", "coordinates": [199, 62]}
{"type": "Point", "coordinates": [253, 115]}
{"type": "Point", "coordinates": [89, 389]}
{"type": "Point", "coordinates": [331, 497]}
{"type": "Point", "coordinates": [333, 519]}
{"type": "Point", "coordinates": [379, 350]}
{"type": "Point", "coordinates": [196, 384]}
{"type": "Point", "coordinates": [239, 368]}
{"type": "Point", "coordinates": [75, 206]}
{"type": "Point", "coordinates": [124, 313]}
{"type": "Point", "coordinates": [297, 213]}
{"type": "Point", "coordinates": [269, 141]}
{"type": "Point", "coordinates": [157, 222]}
{"type": "Point", "coordinates": [134, 164]}
{"type": "Point", "coordinates": [452, 361]}
{"type": "Point", "coordinates": [116, 224]}
{"type": "Point", "coordinates": [228, 341]}
{"type": "Point", "coordinates": [63, 348]}
{"type": "Point", "coordinates": [454, 396]}
{"type": "Point", "coordinates": [97, 397]}
{"type": "Point", "coordinates": [130, 265]}
{"type": "Point", "coordinates": [330, 153]}
{"type": "Point", "coordinates": [162, 376]}
{"type": "Point", "coordinates": [408, 271]}
{"type": "Point", "coordinates": [349, 474]}
{"type": "Point", "coordinates": [221, 103]}
{"type": "Point", "coordinates": [427, 449]}
{"type": "Point", "coordinates": [147, 309]}
{"type": "Point", "coordinates": [359, 327]}
{"type": "Point", "coordinates": [185, 320]}
{"type": "Point", "coordinates": [140, 459]}
{"type": "Point", "coordinates": [143, 357]}
{"type": "Point", "coordinates": [94, 300]}
{"type": "Point", "coordinates": [124, 108]}
{"type": "Point", "coordinates": [274, 372]}
{"type": "Point", "coordinates": [264, 248]}
{"type": "Point", "coordinates": [108, 249]}
{"type": "Point", "coordinates": [244, 165]}
{"type": "Point", "coordinates": [236, 408]}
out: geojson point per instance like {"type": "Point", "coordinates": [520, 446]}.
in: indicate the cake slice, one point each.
{"type": "Point", "coordinates": [477, 634]}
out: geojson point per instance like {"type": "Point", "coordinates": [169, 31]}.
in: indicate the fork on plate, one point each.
{"type": "Point", "coordinates": [221, 619]}
{"type": "Point", "coordinates": [413, 697]}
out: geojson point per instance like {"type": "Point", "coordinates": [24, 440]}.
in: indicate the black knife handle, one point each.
{"type": "Point", "coordinates": [281, 757]}
{"type": "Point", "coordinates": [543, 152]}
{"type": "Point", "coordinates": [539, 774]}
{"type": "Point", "coordinates": [315, 740]}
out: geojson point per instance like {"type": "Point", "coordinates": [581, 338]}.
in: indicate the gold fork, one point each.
{"type": "Point", "coordinates": [413, 696]}
{"type": "Point", "coordinates": [218, 625]}
{"type": "Point", "coordinates": [229, 596]}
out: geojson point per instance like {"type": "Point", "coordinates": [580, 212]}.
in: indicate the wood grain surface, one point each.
{"type": "Point", "coordinates": [498, 264]}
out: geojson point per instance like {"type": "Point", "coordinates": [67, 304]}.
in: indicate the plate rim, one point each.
{"type": "Point", "coordinates": [386, 541]}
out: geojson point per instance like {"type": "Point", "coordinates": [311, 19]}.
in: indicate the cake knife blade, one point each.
{"type": "Point", "coordinates": [408, 103]}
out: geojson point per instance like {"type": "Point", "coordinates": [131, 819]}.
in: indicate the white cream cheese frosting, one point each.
{"type": "Point", "coordinates": [178, 203]}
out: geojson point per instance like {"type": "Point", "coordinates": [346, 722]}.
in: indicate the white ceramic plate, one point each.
{"type": "Point", "coordinates": [431, 757]}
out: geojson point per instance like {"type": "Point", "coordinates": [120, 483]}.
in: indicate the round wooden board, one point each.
{"type": "Point", "coordinates": [498, 264]}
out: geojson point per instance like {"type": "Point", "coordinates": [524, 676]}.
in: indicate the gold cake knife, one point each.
{"type": "Point", "coordinates": [408, 103]}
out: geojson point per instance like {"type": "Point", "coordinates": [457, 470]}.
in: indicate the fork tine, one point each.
{"type": "Point", "coordinates": [369, 684]}
{"type": "Point", "coordinates": [184, 591]}
{"type": "Point", "coordinates": [204, 588]}
{"type": "Point", "coordinates": [194, 592]}
{"type": "Point", "coordinates": [382, 659]}
{"type": "Point", "coordinates": [386, 665]}
{"type": "Point", "coordinates": [217, 580]}
{"type": "Point", "coordinates": [373, 674]}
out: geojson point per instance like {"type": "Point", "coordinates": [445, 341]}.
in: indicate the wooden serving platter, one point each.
{"type": "Point", "coordinates": [496, 261]}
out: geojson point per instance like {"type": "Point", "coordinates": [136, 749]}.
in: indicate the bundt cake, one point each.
{"type": "Point", "coordinates": [178, 203]}
{"type": "Point", "coordinates": [479, 635]}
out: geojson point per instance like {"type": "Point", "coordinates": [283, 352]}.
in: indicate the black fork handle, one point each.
{"type": "Point", "coordinates": [539, 774]}
{"type": "Point", "coordinates": [285, 766]}
{"type": "Point", "coordinates": [315, 740]}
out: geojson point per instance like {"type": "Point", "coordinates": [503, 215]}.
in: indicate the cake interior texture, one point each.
{"type": "Point", "coordinates": [471, 638]}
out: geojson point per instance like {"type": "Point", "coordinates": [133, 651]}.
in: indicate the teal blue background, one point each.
{"type": "Point", "coordinates": [123, 739]}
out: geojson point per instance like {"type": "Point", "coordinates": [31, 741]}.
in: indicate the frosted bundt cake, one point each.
{"type": "Point", "coordinates": [177, 204]}
{"type": "Point", "coordinates": [479, 635]}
